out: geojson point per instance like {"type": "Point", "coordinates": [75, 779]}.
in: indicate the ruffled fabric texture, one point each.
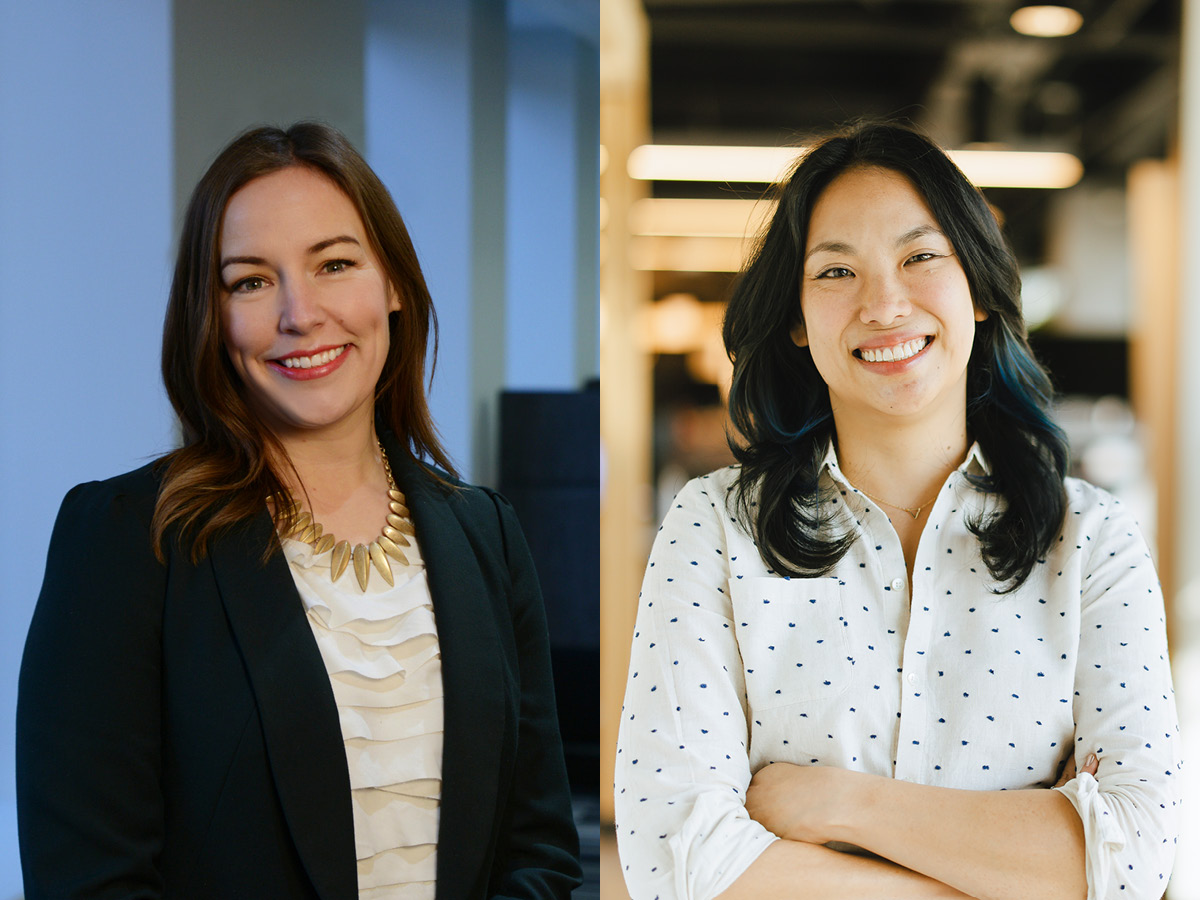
{"type": "Point", "coordinates": [380, 648]}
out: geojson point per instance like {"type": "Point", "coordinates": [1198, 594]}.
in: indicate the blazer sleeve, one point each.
{"type": "Point", "coordinates": [538, 856]}
{"type": "Point", "coordinates": [89, 803]}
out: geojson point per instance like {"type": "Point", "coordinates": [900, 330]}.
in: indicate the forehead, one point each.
{"type": "Point", "coordinates": [867, 200]}
{"type": "Point", "coordinates": [293, 204]}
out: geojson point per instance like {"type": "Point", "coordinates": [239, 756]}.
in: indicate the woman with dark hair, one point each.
{"type": "Point", "coordinates": [865, 655]}
{"type": "Point", "coordinates": [291, 658]}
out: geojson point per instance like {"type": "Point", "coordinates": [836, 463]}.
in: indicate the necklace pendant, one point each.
{"type": "Point", "coordinates": [379, 558]}
{"type": "Point", "coordinates": [395, 536]}
{"type": "Point", "coordinates": [339, 560]}
{"type": "Point", "coordinates": [362, 565]}
{"type": "Point", "coordinates": [391, 549]}
{"type": "Point", "coordinates": [914, 513]}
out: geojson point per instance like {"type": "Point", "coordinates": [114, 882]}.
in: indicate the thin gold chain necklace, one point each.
{"type": "Point", "coordinates": [392, 538]}
{"type": "Point", "coordinates": [914, 511]}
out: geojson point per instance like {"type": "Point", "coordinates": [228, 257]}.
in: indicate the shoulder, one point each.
{"type": "Point", "coordinates": [1093, 509]}
{"type": "Point", "coordinates": [101, 548]}
{"type": "Point", "coordinates": [712, 488]}
{"type": "Point", "coordinates": [128, 498]}
{"type": "Point", "coordinates": [1104, 529]}
{"type": "Point", "coordinates": [705, 503]}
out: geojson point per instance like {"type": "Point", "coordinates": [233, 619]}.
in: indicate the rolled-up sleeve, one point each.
{"type": "Point", "coordinates": [1125, 713]}
{"type": "Point", "coordinates": [682, 767]}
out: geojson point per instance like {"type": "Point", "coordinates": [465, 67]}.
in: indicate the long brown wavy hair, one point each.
{"type": "Point", "coordinates": [224, 471]}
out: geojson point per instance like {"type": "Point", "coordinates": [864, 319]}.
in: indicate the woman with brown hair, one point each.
{"type": "Point", "coordinates": [291, 658]}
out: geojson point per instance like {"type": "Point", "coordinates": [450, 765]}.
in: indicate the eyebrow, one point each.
{"type": "Point", "coordinates": [829, 247]}
{"type": "Point", "coordinates": [919, 232]}
{"type": "Point", "coordinates": [842, 247]}
{"type": "Point", "coordinates": [315, 248]}
{"type": "Point", "coordinates": [329, 242]}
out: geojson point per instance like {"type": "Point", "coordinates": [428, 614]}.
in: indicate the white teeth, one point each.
{"type": "Point", "coordinates": [895, 354]}
{"type": "Point", "coordinates": [317, 359]}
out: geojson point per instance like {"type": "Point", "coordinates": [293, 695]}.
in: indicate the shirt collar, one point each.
{"type": "Point", "coordinates": [975, 464]}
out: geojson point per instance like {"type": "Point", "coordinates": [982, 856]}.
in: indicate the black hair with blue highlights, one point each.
{"type": "Point", "coordinates": [780, 404]}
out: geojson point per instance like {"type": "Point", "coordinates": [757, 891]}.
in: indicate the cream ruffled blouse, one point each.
{"type": "Point", "coordinates": [381, 651]}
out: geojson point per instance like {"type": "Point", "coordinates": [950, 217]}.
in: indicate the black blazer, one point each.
{"type": "Point", "coordinates": [177, 734]}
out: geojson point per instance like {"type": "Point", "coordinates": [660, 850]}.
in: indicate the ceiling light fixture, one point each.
{"type": "Point", "coordinates": [693, 162]}
{"type": "Point", "coordinates": [766, 165]}
{"type": "Point", "coordinates": [1046, 21]}
{"type": "Point", "coordinates": [699, 218]}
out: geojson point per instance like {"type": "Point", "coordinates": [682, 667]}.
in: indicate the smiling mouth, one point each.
{"type": "Point", "coordinates": [898, 353]}
{"type": "Point", "coordinates": [312, 362]}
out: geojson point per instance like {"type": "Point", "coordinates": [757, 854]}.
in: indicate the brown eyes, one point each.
{"type": "Point", "coordinates": [837, 272]}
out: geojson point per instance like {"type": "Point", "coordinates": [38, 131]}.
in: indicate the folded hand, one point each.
{"type": "Point", "coordinates": [1090, 765]}
{"type": "Point", "coordinates": [800, 803]}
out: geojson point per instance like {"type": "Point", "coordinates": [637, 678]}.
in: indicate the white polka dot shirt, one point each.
{"type": "Point", "coordinates": [734, 667]}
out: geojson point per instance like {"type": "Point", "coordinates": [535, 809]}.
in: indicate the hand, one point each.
{"type": "Point", "coordinates": [1090, 765]}
{"type": "Point", "coordinates": [800, 803]}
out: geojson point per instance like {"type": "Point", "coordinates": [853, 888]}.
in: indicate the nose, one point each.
{"type": "Point", "coordinates": [299, 308]}
{"type": "Point", "coordinates": [884, 300]}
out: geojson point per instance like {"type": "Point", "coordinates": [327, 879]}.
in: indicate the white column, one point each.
{"type": "Point", "coordinates": [435, 107]}
{"type": "Point", "coordinates": [552, 175]}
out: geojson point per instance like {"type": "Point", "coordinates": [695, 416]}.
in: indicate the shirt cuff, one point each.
{"type": "Point", "coordinates": [1102, 836]}
{"type": "Point", "coordinates": [714, 847]}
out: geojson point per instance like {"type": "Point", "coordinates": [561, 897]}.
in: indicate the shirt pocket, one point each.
{"type": "Point", "coordinates": [792, 637]}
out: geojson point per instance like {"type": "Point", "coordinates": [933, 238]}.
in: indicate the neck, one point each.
{"type": "Point", "coordinates": [903, 464]}
{"type": "Point", "coordinates": [333, 465]}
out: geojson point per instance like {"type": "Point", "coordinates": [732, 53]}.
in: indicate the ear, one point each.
{"type": "Point", "coordinates": [980, 314]}
{"type": "Point", "coordinates": [393, 300]}
{"type": "Point", "coordinates": [799, 335]}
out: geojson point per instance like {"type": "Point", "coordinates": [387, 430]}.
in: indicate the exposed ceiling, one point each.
{"type": "Point", "coordinates": [770, 71]}
{"type": "Point", "coordinates": [777, 71]}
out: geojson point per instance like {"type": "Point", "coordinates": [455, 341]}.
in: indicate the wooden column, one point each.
{"type": "Point", "coordinates": [625, 392]}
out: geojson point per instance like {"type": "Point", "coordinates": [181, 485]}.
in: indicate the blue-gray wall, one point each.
{"type": "Point", "coordinates": [480, 115]}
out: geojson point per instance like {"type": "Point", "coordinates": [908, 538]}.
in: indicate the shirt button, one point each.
{"type": "Point", "coordinates": [912, 677]}
{"type": "Point", "coordinates": [897, 584]}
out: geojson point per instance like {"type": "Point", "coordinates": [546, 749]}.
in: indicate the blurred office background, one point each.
{"type": "Point", "coordinates": [1105, 223]}
{"type": "Point", "coordinates": [479, 115]}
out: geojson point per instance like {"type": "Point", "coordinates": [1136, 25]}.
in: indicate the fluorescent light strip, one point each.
{"type": "Point", "coordinates": [701, 218]}
{"type": "Point", "coordinates": [657, 253]}
{"type": "Point", "coordinates": [1019, 168]}
{"type": "Point", "coordinates": [766, 165]}
{"type": "Point", "coordinates": [689, 162]}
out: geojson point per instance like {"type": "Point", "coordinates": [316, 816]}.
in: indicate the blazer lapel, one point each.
{"type": "Point", "coordinates": [473, 680]}
{"type": "Point", "coordinates": [295, 703]}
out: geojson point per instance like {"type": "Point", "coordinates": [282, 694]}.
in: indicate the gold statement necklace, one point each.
{"type": "Point", "coordinates": [393, 537]}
